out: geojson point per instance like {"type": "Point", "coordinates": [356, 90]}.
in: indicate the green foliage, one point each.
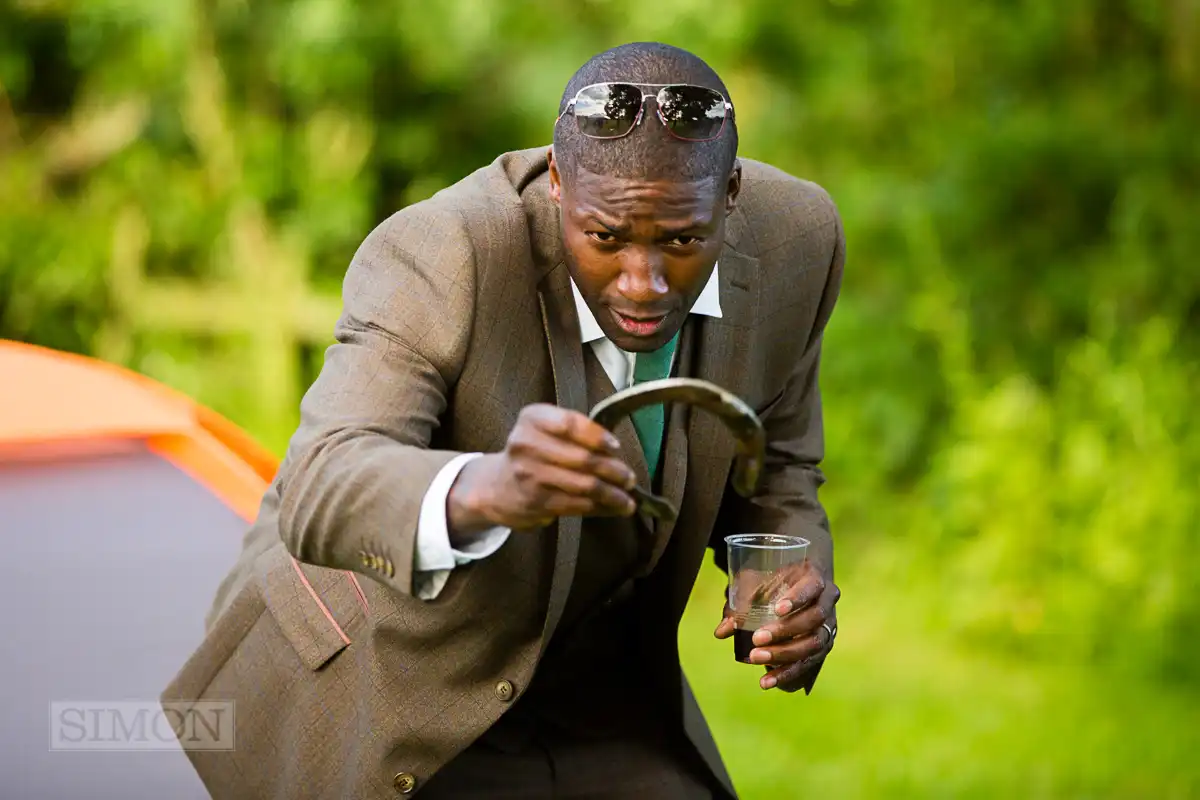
{"type": "Point", "coordinates": [1011, 372]}
{"type": "Point", "coordinates": [902, 710]}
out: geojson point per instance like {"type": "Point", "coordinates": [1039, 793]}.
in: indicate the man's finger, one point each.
{"type": "Point", "coordinates": [726, 628]}
{"type": "Point", "coordinates": [558, 505]}
{"type": "Point", "coordinates": [555, 481]}
{"type": "Point", "coordinates": [791, 651]}
{"type": "Point", "coordinates": [802, 623]}
{"type": "Point", "coordinates": [801, 594]}
{"type": "Point", "coordinates": [789, 677]}
{"type": "Point", "coordinates": [541, 446]}
{"type": "Point", "coordinates": [568, 505]}
{"type": "Point", "coordinates": [575, 427]}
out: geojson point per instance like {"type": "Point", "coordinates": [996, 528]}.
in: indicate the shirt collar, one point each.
{"type": "Point", "coordinates": [707, 304]}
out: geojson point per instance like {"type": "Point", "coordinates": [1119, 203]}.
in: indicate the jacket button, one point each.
{"type": "Point", "coordinates": [504, 690]}
{"type": "Point", "coordinates": [404, 782]}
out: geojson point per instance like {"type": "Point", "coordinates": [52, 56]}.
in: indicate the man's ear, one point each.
{"type": "Point", "coordinates": [555, 177]}
{"type": "Point", "coordinates": [734, 187]}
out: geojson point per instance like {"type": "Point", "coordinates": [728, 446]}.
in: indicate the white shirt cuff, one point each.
{"type": "Point", "coordinates": [434, 557]}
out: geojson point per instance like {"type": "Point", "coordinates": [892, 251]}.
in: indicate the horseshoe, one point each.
{"type": "Point", "coordinates": [738, 417]}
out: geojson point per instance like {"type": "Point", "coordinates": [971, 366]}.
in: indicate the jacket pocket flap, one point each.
{"type": "Point", "coordinates": [303, 600]}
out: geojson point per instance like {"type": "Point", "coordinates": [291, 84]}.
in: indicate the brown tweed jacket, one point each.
{"type": "Point", "coordinates": [457, 313]}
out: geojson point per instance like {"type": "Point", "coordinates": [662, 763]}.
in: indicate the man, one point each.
{"type": "Point", "coordinates": [448, 590]}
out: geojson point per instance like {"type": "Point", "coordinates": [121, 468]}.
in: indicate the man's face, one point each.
{"type": "Point", "coordinates": [639, 251]}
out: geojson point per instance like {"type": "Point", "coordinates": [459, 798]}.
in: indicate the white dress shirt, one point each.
{"type": "Point", "coordinates": [435, 558]}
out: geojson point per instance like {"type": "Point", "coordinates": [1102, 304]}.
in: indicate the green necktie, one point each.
{"type": "Point", "coordinates": [650, 421]}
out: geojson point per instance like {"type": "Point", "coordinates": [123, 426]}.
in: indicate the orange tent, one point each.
{"type": "Point", "coordinates": [122, 506]}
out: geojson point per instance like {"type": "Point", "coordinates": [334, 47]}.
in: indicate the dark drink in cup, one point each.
{"type": "Point", "coordinates": [762, 567]}
{"type": "Point", "coordinates": [743, 643]}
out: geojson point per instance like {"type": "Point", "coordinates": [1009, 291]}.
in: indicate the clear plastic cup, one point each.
{"type": "Point", "coordinates": [762, 567]}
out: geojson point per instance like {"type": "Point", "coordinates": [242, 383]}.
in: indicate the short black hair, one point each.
{"type": "Point", "coordinates": [649, 151]}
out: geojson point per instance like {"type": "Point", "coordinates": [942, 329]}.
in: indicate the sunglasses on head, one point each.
{"type": "Point", "coordinates": [612, 110]}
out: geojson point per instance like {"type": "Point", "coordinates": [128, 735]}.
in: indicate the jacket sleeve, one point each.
{"type": "Point", "coordinates": [435, 556]}
{"type": "Point", "coordinates": [351, 487]}
{"type": "Point", "coordinates": [787, 500]}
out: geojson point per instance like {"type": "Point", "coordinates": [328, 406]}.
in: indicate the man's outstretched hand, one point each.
{"type": "Point", "coordinates": [556, 463]}
{"type": "Point", "coordinates": [793, 647]}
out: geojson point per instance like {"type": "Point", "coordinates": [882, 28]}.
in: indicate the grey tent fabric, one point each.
{"type": "Point", "coordinates": [109, 566]}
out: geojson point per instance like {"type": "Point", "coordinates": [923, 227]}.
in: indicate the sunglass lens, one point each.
{"type": "Point", "coordinates": [692, 112]}
{"type": "Point", "coordinates": [608, 110]}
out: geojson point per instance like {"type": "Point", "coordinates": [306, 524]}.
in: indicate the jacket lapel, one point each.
{"type": "Point", "coordinates": [722, 357]}
{"type": "Point", "coordinates": [631, 446]}
{"type": "Point", "coordinates": [715, 350]}
{"type": "Point", "coordinates": [723, 349]}
{"type": "Point", "coordinates": [570, 390]}
{"type": "Point", "coordinates": [675, 447]}
{"type": "Point", "coordinates": [601, 388]}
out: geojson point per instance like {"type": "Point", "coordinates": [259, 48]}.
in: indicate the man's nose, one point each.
{"type": "Point", "coordinates": [643, 280]}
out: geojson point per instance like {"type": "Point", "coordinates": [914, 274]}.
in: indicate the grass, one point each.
{"type": "Point", "coordinates": [901, 710]}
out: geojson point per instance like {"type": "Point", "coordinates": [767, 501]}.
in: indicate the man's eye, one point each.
{"type": "Point", "coordinates": [684, 241]}
{"type": "Point", "coordinates": [604, 237]}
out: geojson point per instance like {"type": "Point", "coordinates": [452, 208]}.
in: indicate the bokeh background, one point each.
{"type": "Point", "coordinates": [1010, 378]}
